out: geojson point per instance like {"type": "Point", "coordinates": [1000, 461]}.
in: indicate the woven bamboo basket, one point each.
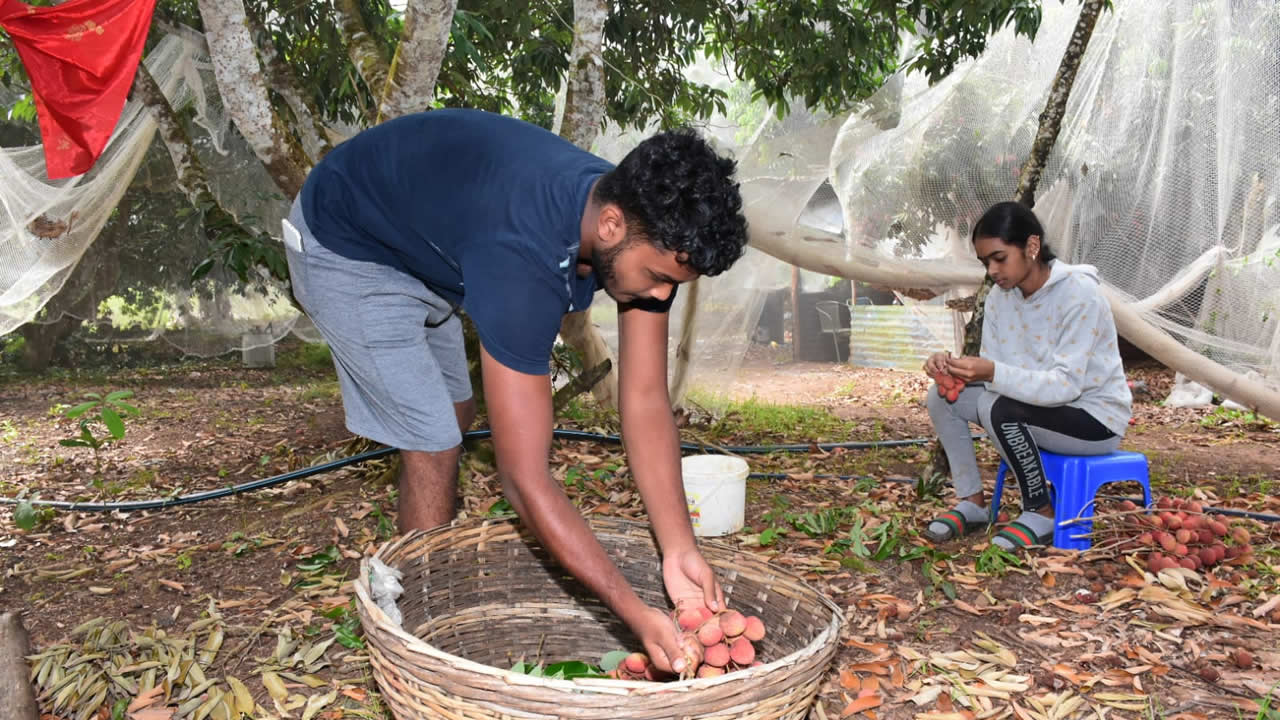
{"type": "Point", "coordinates": [481, 596]}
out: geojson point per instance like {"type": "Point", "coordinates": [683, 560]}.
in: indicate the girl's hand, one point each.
{"type": "Point", "coordinates": [971, 369]}
{"type": "Point", "coordinates": [937, 364]}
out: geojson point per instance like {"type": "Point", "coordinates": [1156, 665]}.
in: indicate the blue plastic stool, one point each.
{"type": "Point", "coordinates": [1074, 480]}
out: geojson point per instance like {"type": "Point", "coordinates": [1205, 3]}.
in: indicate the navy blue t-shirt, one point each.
{"type": "Point", "coordinates": [484, 209]}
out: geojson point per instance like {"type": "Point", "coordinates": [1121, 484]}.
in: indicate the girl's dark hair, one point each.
{"type": "Point", "coordinates": [1013, 223]}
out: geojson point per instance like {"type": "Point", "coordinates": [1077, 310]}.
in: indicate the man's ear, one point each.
{"type": "Point", "coordinates": [611, 225]}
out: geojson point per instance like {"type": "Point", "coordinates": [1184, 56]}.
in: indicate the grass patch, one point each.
{"type": "Point", "coordinates": [761, 419]}
{"type": "Point", "coordinates": [326, 390]}
{"type": "Point", "coordinates": [308, 356]}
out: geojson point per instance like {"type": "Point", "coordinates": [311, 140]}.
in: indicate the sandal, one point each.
{"type": "Point", "coordinates": [1022, 537]}
{"type": "Point", "coordinates": [957, 526]}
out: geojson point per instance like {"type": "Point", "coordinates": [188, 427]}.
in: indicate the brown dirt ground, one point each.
{"type": "Point", "coordinates": [214, 424]}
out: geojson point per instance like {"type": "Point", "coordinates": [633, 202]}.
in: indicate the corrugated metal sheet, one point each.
{"type": "Point", "coordinates": [897, 336]}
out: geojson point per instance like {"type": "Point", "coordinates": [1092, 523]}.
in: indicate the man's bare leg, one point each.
{"type": "Point", "coordinates": [429, 480]}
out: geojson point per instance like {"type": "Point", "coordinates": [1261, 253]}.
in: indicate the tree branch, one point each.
{"type": "Point", "coordinates": [1056, 106]}
{"type": "Point", "coordinates": [579, 124]}
{"type": "Point", "coordinates": [586, 380]}
{"type": "Point", "coordinates": [285, 81]}
{"type": "Point", "coordinates": [364, 52]}
{"type": "Point", "coordinates": [412, 83]}
{"type": "Point", "coordinates": [244, 93]}
{"type": "Point", "coordinates": [193, 179]}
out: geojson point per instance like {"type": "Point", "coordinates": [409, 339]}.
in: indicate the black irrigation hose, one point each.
{"type": "Point", "coordinates": [583, 435]}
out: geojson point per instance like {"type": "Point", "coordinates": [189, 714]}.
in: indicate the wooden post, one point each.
{"type": "Point", "coordinates": [16, 692]}
{"type": "Point", "coordinates": [795, 313]}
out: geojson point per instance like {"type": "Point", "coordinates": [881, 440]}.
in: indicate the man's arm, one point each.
{"type": "Point", "coordinates": [519, 408]}
{"type": "Point", "coordinates": [648, 428]}
{"type": "Point", "coordinates": [653, 452]}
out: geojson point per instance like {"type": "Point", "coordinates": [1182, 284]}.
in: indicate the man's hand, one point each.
{"type": "Point", "coordinates": [669, 649]}
{"type": "Point", "coordinates": [971, 369]}
{"type": "Point", "coordinates": [691, 582]}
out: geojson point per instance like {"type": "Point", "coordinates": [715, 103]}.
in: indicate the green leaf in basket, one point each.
{"type": "Point", "coordinates": [527, 668]}
{"type": "Point", "coordinates": [572, 669]}
{"type": "Point", "coordinates": [612, 660]}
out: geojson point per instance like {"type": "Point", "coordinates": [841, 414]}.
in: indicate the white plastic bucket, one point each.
{"type": "Point", "coordinates": [715, 487]}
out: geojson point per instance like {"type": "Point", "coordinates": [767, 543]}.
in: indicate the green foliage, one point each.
{"type": "Point", "coordinates": [930, 487]}
{"type": "Point", "coordinates": [107, 412]}
{"type": "Point", "coordinates": [1225, 416]}
{"type": "Point", "coordinates": [566, 670]}
{"type": "Point", "coordinates": [996, 561]}
{"type": "Point", "coordinates": [24, 515]}
{"type": "Point", "coordinates": [821, 523]}
{"type": "Point", "coordinates": [309, 356]}
{"type": "Point", "coordinates": [346, 625]}
{"type": "Point", "coordinates": [753, 417]}
{"type": "Point", "coordinates": [320, 561]}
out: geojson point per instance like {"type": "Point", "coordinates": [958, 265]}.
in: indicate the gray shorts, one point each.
{"type": "Point", "coordinates": [399, 379]}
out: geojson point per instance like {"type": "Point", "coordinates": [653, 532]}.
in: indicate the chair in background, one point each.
{"type": "Point", "coordinates": [830, 321]}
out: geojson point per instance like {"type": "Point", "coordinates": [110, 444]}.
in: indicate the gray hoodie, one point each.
{"type": "Point", "coordinates": [1058, 347]}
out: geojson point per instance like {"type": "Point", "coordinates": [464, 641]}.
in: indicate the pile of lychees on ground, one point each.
{"type": "Point", "coordinates": [713, 643]}
{"type": "Point", "coordinates": [1179, 534]}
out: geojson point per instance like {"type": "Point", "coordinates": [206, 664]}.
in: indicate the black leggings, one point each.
{"type": "Point", "coordinates": [1010, 420]}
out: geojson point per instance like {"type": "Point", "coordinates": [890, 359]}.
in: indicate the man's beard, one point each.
{"type": "Point", "coordinates": [602, 263]}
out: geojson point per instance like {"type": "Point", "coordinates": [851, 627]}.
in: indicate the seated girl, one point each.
{"type": "Point", "coordinates": [1048, 377]}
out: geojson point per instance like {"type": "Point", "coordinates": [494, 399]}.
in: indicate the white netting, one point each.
{"type": "Point", "coordinates": [1166, 176]}
{"type": "Point", "coordinates": [47, 226]}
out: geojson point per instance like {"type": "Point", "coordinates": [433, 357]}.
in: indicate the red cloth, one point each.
{"type": "Point", "coordinates": [81, 57]}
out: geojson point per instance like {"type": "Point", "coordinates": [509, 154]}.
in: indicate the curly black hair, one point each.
{"type": "Point", "coordinates": [677, 193]}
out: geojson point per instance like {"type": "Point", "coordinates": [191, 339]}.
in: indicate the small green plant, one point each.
{"type": "Point", "coordinates": [819, 524]}
{"type": "Point", "coordinates": [98, 411]}
{"type": "Point", "coordinates": [996, 561]}
{"type": "Point", "coordinates": [386, 528]}
{"type": "Point", "coordinates": [930, 487]}
{"type": "Point", "coordinates": [1224, 416]}
{"type": "Point", "coordinates": [319, 561]}
{"type": "Point", "coordinates": [8, 433]}
{"type": "Point", "coordinates": [500, 508]}
{"type": "Point", "coordinates": [27, 515]}
{"type": "Point", "coordinates": [770, 535]}
{"type": "Point", "coordinates": [346, 625]}
{"type": "Point", "coordinates": [239, 545]}
{"type": "Point", "coordinates": [183, 560]}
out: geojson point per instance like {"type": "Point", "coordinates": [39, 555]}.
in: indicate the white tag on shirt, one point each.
{"type": "Point", "coordinates": [292, 238]}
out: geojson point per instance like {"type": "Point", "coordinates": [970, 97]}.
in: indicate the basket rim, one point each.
{"type": "Point", "coordinates": [383, 623]}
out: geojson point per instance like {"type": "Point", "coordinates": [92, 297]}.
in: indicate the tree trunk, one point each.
{"type": "Point", "coordinates": [1056, 106]}
{"type": "Point", "coordinates": [584, 98]}
{"type": "Point", "coordinates": [578, 333]}
{"type": "Point", "coordinates": [422, 49]}
{"type": "Point", "coordinates": [795, 313]}
{"type": "Point", "coordinates": [315, 141]}
{"type": "Point", "coordinates": [244, 93]}
{"type": "Point", "coordinates": [580, 124]}
{"type": "Point", "coordinates": [16, 691]}
{"type": "Point", "coordinates": [684, 349]}
{"type": "Point", "coordinates": [364, 52]}
{"type": "Point", "coordinates": [193, 180]}
{"type": "Point", "coordinates": [1029, 179]}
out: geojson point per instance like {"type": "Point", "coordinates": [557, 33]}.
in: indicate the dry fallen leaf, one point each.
{"type": "Point", "coordinates": [862, 704]}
